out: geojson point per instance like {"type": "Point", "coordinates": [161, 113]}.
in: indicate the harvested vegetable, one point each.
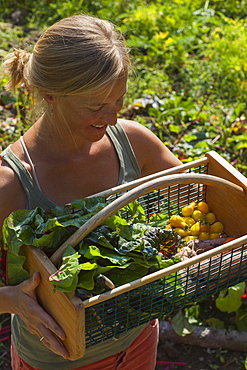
{"type": "Point", "coordinates": [216, 227]}
{"type": "Point", "coordinates": [196, 220]}
{"type": "Point", "coordinates": [196, 246]}
{"type": "Point", "coordinates": [203, 207]}
{"type": "Point", "coordinates": [177, 221]}
{"type": "Point", "coordinates": [127, 246]}
{"type": "Point", "coordinates": [119, 249]}
{"type": "Point", "coordinates": [166, 240]}
{"type": "Point", "coordinates": [188, 210]}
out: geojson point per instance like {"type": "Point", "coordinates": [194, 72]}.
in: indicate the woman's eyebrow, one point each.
{"type": "Point", "coordinates": [97, 104]}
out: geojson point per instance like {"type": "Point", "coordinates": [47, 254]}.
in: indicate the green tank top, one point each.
{"type": "Point", "coordinates": [28, 346]}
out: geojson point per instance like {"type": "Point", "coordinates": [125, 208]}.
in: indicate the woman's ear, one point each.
{"type": "Point", "coordinates": [49, 98]}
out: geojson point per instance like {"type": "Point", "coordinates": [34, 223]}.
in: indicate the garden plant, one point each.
{"type": "Point", "coordinates": [188, 84]}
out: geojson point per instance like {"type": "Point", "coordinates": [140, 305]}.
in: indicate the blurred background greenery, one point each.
{"type": "Point", "coordinates": [189, 78]}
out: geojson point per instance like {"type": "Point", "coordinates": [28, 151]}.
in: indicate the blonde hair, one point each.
{"type": "Point", "coordinates": [77, 54]}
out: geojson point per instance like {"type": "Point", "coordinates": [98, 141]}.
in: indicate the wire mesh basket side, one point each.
{"type": "Point", "coordinates": [170, 200]}
{"type": "Point", "coordinates": [161, 297]}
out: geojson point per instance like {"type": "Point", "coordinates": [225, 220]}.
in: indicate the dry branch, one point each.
{"type": "Point", "coordinates": [206, 337]}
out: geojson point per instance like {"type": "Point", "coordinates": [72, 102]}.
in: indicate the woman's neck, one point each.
{"type": "Point", "coordinates": [55, 140]}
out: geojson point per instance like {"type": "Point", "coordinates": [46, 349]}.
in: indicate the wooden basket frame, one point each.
{"type": "Point", "coordinates": [226, 191]}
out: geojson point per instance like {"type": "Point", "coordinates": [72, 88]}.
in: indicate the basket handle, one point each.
{"type": "Point", "coordinates": [137, 192]}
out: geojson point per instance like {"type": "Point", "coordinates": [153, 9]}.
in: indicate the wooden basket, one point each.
{"type": "Point", "coordinates": [101, 317]}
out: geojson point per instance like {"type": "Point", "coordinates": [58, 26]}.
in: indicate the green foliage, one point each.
{"type": "Point", "coordinates": [230, 300]}
{"type": "Point", "coordinates": [189, 78]}
{"type": "Point", "coordinates": [8, 36]}
{"type": "Point", "coordinates": [133, 246]}
{"type": "Point", "coordinates": [191, 55]}
{"type": "Point", "coordinates": [228, 311]}
{"type": "Point", "coordinates": [181, 325]}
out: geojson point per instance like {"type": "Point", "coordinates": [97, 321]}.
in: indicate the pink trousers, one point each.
{"type": "Point", "coordinates": [141, 354]}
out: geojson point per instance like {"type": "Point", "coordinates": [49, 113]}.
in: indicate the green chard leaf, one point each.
{"type": "Point", "coordinates": [66, 277]}
{"type": "Point", "coordinates": [118, 249]}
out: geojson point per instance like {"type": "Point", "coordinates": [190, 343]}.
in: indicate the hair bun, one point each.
{"type": "Point", "coordinates": [15, 65]}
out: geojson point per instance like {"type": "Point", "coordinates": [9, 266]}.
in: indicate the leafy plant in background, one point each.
{"type": "Point", "coordinates": [190, 54]}
{"type": "Point", "coordinates": [231, 301]}
{"type": "Point", "coordinates": [188, 84]}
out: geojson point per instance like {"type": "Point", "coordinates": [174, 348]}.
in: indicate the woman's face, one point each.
{"type": "Point", "coordinates": [88, 115]}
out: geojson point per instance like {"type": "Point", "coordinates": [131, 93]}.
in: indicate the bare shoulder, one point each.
{"type": "Point", "coordinates": [135, 129]}
{"type": "Point", "coordinates": [151, 153]}
{"type": "Point", "coordinates": [12, 194]}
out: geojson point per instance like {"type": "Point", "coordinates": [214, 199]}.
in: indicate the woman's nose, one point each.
{"type": "Point", "coordinates": [109, 116]}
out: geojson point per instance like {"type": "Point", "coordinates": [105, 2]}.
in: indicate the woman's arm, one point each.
{"type": "Point", "coordinates": [21, 299]}
{"type": "Point", "coordinates": [152, 155]}
{"type": "Point", "coordinates": [12, 194]}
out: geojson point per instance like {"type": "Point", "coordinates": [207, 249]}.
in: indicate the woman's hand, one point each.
{"type": "Point", "coordinates": [37, 320]}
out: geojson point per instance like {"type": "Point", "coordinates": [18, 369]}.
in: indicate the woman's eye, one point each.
{"type": "Point", "coordinates": [95, 110]}
{"type": "Point", "coordinates": [120, 100]}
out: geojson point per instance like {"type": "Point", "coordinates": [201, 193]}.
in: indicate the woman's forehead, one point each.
{"type": "Point", "coordinates": [110, 91]}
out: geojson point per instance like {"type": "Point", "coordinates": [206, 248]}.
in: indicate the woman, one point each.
{"type": "Point", "coordinates": [78, 147]}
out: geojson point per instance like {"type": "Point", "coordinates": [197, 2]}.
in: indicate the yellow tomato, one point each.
{"type": "Point", "coordinates": [177, 221]}
{"type": "Point", "coordinates": [182, 232]}
{"type": "Point", "coordinates": [203, 235]}
{"type": "Point", "coordinates": [195, 229]}
{"type": "Point", "coordinates": [198, 215]}
{"type": "Point", "coordinates": [189, 221]}
{"type": "Point", "coordinates": [214, 236]}
{"type": "Point", "coordinates": [216, 227]}
{"type": "Point", "coordinates": [205, 227]}
{"type": "Point", "coordinates": [210, 217]}
{"type": "Point", "coordinates": [188, 210]}
{"type": "Point", "coordinates": [203, 207]}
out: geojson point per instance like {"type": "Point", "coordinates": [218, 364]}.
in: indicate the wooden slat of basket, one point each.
{"type": "Point", "coordinates": [231, 210]}
{"type": "Point", "coordinates": [141, 190]}
{"type": "Point", "coordinates": [65, 308]}
{"type": "Point", "coordinates": [218, 166]}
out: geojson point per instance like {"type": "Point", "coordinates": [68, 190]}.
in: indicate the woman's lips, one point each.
{"type": "Point", "coordinates": [99, 126]}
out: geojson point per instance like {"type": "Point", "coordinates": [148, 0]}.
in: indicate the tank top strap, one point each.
{"type": "Point", "coordinates": [129, 168]}
{"type": "Point", "coordinates": [35, 197]}
{"type": "Point", "coordinates": [30, 162]}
